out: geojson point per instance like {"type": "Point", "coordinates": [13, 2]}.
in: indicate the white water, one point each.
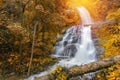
{"type": "Point", "coordinates": [86, 51]}
{"type": "Point", "coordinates": [76, 47]}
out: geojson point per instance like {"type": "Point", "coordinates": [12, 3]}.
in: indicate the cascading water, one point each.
{"type": "Point", "coordinates": [77, 43]}
{"type": "Point", "coordinates": [76, 47]}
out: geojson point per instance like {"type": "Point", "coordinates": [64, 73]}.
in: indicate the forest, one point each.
{"type": "Point", "coordinates": [31, 29]}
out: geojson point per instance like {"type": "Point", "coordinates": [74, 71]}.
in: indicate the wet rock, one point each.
{"type": "Point", "coordinates": [57, 44]}
{"type": "Point", "coordinates": [69, 50]}
{"type": "Point", "coordinates": [74, 40]}
{"type": "Point", "coordinates": [68, 37]}
{"type": "Point", "coordinates": [88, 76]}
{"type": "Point", "coordinates": [100, 50]}
{"type": "Point", "coordinates": [65, 43]}
{"type": "Point", "coordinates": [96, 41]}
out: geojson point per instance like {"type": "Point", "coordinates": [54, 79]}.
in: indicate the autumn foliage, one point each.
{"type": "Point", "coordinates": [17, 21]}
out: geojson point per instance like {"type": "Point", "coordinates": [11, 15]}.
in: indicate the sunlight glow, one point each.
{"type": "Point", "coordinates": [74, 4]}
{"type": "Point", "coordinates": [78, 3]}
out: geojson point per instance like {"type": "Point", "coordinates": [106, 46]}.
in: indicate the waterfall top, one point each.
{"type": "Point", "coordinates": [85, 16]}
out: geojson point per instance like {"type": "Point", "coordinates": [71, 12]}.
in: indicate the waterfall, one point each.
{"type": "Point", "coordinates": [77, 43]}
{"type": "Point", "coordinates": [76, 47]}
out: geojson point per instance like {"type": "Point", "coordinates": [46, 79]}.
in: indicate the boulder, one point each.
{"type": "Point", "coordinates": [65, 43]}
{"type": "Point", "coordinates": [75, 39]}
{"type": "Point", "coordinates": [69, 50]}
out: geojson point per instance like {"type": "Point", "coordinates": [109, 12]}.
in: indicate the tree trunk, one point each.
{"type": "Point", "coordinates": [35, 27]}
{"type": "Point", "coordinates": [87, 68]}
{"type": "Point", "coordinates": [92, 67]}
